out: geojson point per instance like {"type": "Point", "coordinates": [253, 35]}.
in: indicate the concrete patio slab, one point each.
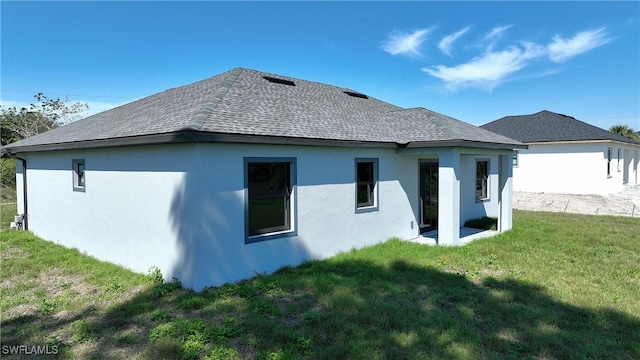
{"type": "Point", "coordinates": [467, 235]}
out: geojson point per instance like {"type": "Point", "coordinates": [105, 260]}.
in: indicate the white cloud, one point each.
{"type": "Point", "coordinates": [487, 71]}
{"type": "Point", "coordinates": [497, 32]}
{"type": "Point", "coordinates": [561, 50]}
{"type": "Point", "coordinates": [447, 41]}
{"type": "Point", "coordinates": [404, 43]}
{"type": "Point", "coordinates": [496, 65]}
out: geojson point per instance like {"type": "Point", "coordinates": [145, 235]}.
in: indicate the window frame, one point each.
{"type": "Point", "coordinates": [619, 168]}
{"type": "Point", "coordinates": [515, 159]}
{"type": "Point", "coordinates": [79, 175]}
{"type": "Point", "coordinates": [372, 204]}
{"type": "Point", "coordinates": [609, 156]}
{"type": "Point", "coordinates": [485, 180]}
{"type": "Point", "coordinates": [289, 229]}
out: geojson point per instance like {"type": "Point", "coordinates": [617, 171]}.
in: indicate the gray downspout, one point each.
{"type": "Point", "coordinates": [24, 192]}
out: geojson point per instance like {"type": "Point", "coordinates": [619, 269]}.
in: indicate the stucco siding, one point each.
{"type": "Point", "coordinates": [210, 223]}
{"type": "Point", "coordinates": [568, 168]}
{"type": "Point", "coordinates": [181, 208]}
{"type": "Point", "coordinates": [123, 216]}
{"type": "Point", "coordinates": [472, 208]}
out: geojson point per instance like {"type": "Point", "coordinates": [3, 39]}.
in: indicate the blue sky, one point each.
{"type": "Point", "coordinates": [475, 61]}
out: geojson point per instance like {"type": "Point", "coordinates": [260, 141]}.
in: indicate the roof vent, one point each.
{"type": "Point", "coordinates": [279, 81]}
{"type": "Point", "coordinates": [355, 94]}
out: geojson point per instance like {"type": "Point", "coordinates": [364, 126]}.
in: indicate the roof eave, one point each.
{"type": "Point", "coordinates": [555, 142]}
{"type": "Point", "coordinates": [466, 143]}
{"type": "Point", "coordinates": [191, 136]}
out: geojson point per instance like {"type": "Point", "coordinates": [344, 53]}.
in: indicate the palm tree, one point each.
{"type": "Point", "coordinates": [626, 131]}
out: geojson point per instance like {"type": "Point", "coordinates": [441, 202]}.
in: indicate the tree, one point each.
{"type": "Point", "coordinates": [20, 124]}
{"type": "Point", "coordinates": [17, 124]}
{"type": "Point", "coordinates": [44, 115]}
{"type": "Point", "coordinates": [626, 131]}
{"type": "Point", "coordinates": [7, 179]}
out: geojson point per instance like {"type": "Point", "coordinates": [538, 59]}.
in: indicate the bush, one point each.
{"type": "Point", "coordinates": [8, 173]}
{"type": "Point", "coordinates": [486, 223]}
{"type": "Point", "coordinates": [8, 194]}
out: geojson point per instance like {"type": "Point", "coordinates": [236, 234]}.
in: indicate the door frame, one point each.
{"type": "Point", "coordinates": [422, 166]}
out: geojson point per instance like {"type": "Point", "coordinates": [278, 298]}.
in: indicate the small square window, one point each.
{"type": "Point", "coordinates": [482, 180]}
{"type": "Point", "coordinates": [79, 175]}
{"type": "Point", "coordinates": [515, 158]}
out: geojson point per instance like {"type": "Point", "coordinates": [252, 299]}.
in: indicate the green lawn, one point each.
{"type": "Point", "coordinates": [558, 286]}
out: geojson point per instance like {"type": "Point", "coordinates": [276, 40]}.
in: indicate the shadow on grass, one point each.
{"type": "Point", "coordinates": [352, 309]}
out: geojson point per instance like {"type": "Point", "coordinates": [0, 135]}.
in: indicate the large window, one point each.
{"type": "Point", "coordinates": [78, 175]}
{"type": "Point", "coordinates": [366, 180]}
{"type": "Point", "coordinates": [482, 180]}
{"type": "Point", "coordinates": [269, 186]}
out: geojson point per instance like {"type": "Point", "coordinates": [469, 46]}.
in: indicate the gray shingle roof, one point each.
{"type": "Point", "coordinates": [420, 125]}
{"type": "Point", "coordinates": [547, 126]}
{"type": "Point", "coordinates": [243, 102]}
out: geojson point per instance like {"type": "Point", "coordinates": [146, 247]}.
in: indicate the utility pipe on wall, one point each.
{"type": "Point", "coordinates": [24, 192]}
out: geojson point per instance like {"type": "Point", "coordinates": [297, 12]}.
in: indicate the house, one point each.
{"type": "Point", "coordinates": [246, 172]}
{"type": "Point", "coordinates": [566, 155]}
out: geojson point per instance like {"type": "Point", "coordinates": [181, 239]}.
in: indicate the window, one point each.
{"type": "Point", "coordinates": [269, 187]}
{"type": "Point", "coordinates": [515, 158]}
{"type": "Point", "coordinates": [482, 180]}
{"type": "Point", "coordinates": [619, 158]}
{"type": "Point", "coordinates": [366, 180]}
{"type": "Point", "coordinates": [609, 153]}
{"type": "Point", "coordinates": [78, 175]}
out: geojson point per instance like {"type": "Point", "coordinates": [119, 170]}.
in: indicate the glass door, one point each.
{"type": "Point", "coordinates": [428, 196]}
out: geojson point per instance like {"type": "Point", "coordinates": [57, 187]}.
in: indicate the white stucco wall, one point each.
{"type": "Point", "coordinates": [210, 225]}
{"type": "Point", "coordinates": [122, 215]}
{"type": "Point", "coordinates": [579, 168]}
{"type": "Point", "coordinates": [476, 209]}
{"type": "Point", "coordinates": [181, 207]}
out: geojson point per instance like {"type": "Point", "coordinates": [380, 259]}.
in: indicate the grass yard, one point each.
{"type": "Point", "coordinates": [558, 286]}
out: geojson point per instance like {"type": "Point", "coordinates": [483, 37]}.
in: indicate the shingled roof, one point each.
{"type": "Point", "coordinates": [252, 106]}
{"type": "Point", "coordinates": [547, 126]}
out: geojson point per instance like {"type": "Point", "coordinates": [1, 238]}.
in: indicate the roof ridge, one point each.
{"type": "Point", "coordinates": [198, 120]}
{"type": "Point", "coordinates": [536, 128]}
{"type": "Point", "coordinates": [438, 121]}
{"type": "Point", "coordinates": [598, 132]}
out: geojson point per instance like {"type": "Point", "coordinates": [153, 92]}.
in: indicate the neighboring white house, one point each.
{"type": "Point", "coordinates": [246, 172]}
{"type": "Point", "coordinates": [568, 156]}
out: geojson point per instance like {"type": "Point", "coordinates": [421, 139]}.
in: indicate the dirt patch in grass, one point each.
{"type": "Point", "coordinates": [46, 294]}
{"type": "Point", "coordinates": [13, 253]}
{"type": "Point", "coordinates": [59, 284]}
{"type": "Point", "coordinates": [19, 310]}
